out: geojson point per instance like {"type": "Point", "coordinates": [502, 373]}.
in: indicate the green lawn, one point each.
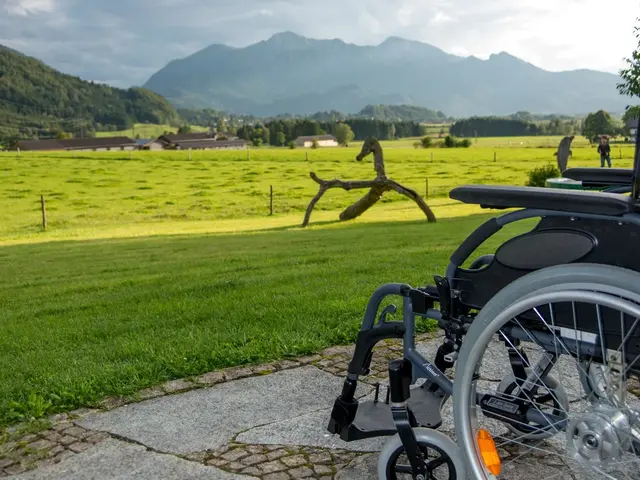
{"type": "Point", "coordinates": [164, 267]}
{"type": "Point", "coordinates": [86, 319]}
{"type": "Point", "coordinates": [147, 131]}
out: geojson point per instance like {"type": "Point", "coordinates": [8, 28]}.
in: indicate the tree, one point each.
{"type": "Point", "coordinates": [222, 125]}
{"type": "Point", "coordinates": [426, 142]}
{"type": "Point", "coordinates": [630, 75]}
{"type": "Point", "coordinates": [281, 139]}
{"type": "Point", "coordinates": [63, 136]}
{"type": "Point", "coordinates": [599, 123]}
{"type": "Point", "coordinates": [266, 135]}
{"type": "Point", "coordinates": [344, 134]}
{"type": "Point", "coordinates": [185, 129]}
{"type": "Point", "coordinates": [392, 132]}
{"type": "Point", "coordinates": [314, 143]}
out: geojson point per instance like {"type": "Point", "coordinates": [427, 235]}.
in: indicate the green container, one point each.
{"type": "Point", "coordinates": [566, 183]}
{"type": "Point", "coordinates": [569, 184]}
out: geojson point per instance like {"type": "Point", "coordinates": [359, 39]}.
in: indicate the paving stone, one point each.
{"type": "Point", "coordinates": [235, 466]}
{"type": "Point", "coordinates": [83, 412]}
{"type": "Point", "coordinates": [56, 450]}
{"type": "Point", "coordinates": [254, 449]}
{"type": "Point", "coordinates": [272, 467]}
{"type": "Point", "coordinates": [77, 432]}
{"type": "Point", "coordinates": [62, 426]}
{"type": "Point", "coordinates": [152, 392]}
{"type": "Point", "coordinates": [28, 438]}
{"type": "Point", "coordinates": [251, 471]}
{"type": "Point", "coordinates": [15, 469]}
{"type": "Point", "coordinates": [301, 472]}
{"type": "Point", "coordinates": [42, 444]}
{"type": "Point", "coordinates": [235, 454]}
{"type": "Point", "coordinates": [277, 476]}
{"type": "Point", "coordinates": [323, 458]}
{"type": "Point", "coordinates": [276, 454]}
{"type": "Point", "coordinates": [113, 402]}
{"type": "Point", "coordinates": [271, 448]}
{"type": "Point", "coordinates": [5, 462]}
{"type": "Point", "coordinates": [210, 378]}
{"type": "Point", "coordinates": [113, 459]}
{"type": "Point", "coordinates": [209, 418]}
{"type": "Point", "coordinates": [294, 460]}
{"type": "Point", "coordinates": [217, 462]}
{"type": "Point", "coordinates": [197, 457]}
{"type": "Point", "coordinates": [58, 417]}
{"type": "Point", "coordinates": [67, 440]}
{"type": "Point", "coordinates": [322, 469]}
{"type": "Point", "coordinates": [53, 436]}
{"type": "Point", "coordinates": [286, 364]}
{"type": "Point", "coordinates": [176, 386]}
{"type": "Point", "coordinates": [79, 447]}
{"type": "Point", "coordinates": [364, 466]}
{"type": "Point", "coordinates": [236, 373]}
{"type": "Point", "coordinates": [97, 437]}
{"type": "Point", "coordinates": [309, 359]}
{"type": "Point", "coordinates": [63, 455]}
{"type": "Point", "coordinates": [254, 459]}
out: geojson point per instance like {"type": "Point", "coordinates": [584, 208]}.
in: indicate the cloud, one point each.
{"type": "Point", "coordinates": [26, 7]}
{"type": "Point", "coordinates": [125, 41]}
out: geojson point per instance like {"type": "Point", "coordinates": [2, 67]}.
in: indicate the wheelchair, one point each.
{"type": "Point", "coordinates": [542, 339]}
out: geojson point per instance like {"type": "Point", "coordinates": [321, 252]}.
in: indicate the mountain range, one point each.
{"type": "Point", "coordinates": [289, 73]}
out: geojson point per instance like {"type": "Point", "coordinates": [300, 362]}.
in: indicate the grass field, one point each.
{"type": "Point", "coordinates": [164, 267]}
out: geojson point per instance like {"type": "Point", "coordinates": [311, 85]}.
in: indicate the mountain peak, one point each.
{"type": "Point", "coordinates": [286, 37]}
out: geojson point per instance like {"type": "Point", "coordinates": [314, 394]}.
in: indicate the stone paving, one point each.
{"type": "Point", "coordinates": [267, 422]}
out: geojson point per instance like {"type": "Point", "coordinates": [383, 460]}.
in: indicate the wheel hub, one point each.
{"type": "Point", "coordinates": [598, 436]}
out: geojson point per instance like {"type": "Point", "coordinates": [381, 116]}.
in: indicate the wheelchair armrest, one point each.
{"type": "Point", "coordinates": [600, 177]}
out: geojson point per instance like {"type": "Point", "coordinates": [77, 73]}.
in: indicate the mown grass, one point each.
{"type": "Point", "coordinates": [82, 320]}
{"type": "Point", "coordinates": [147, 131]}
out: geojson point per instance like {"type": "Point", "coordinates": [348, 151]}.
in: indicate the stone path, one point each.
{"type": "Point", "coordinates": [267, 422]}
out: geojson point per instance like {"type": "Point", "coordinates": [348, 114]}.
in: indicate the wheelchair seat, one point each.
{"type": "Point", "coordinates": [600, 176]}
{"type": "Point", "coordinates": [502, 197]}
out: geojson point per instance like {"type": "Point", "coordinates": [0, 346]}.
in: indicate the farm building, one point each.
{"type": "Point", "coordinates": [170, 141]}
{"type": "Point", "coordinates": [38, 145]}
{"type": "Point", "coordinates": [149, 144]}
{"type": "Point", "coordinates": [212, 144]}
{"type": "Point", "coordinates": [99, 144]}
{"type": "Point", "coordinates": [323, 141]}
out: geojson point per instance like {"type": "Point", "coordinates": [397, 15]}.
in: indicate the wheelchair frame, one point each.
{"type": "Point", "coordinates": [421, 302]}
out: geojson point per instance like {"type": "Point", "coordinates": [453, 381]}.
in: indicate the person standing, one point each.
{"type": "Point", "coordinates": [604, 149]}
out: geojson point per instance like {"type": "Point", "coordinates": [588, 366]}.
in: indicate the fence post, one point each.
{"type": "Point", "coordinates": [44, 213]}
{"type": "Point", "coordinates": [270, 199]}
{"type": "Point", "coordinates": [18, 152]}
{"type": "Point", "coordinates": [431, 157]}
{"type": "Point", "coordinates": [307, 155]}
{"type": "Point", "coordinates": [189, 154]}
{"type": "Point", "coordinates": [494, 156]}
{"type": "Point", "coordinates": [620, 153]}
{"type": "Point", "coordinates": [426, 188]}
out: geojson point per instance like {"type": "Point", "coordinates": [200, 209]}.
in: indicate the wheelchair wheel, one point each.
{"type": "Point", "coordinates": [442, 455]}
{"type": "Point", "coordinates": [557, 319]}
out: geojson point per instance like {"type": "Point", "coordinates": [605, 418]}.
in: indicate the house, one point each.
{"type": "Point", "coordinates": [212, 144]}
{"type": "Point", "coordinates": [37, 145]}
{"type": "Point", "coordinates": [149, 144]}
{"type": "Point", "coordinates": [99, 144]}
{"type": "Point", "coordinates": [323, 141]}
{"type": "Point", "coordinates": [632, 125]}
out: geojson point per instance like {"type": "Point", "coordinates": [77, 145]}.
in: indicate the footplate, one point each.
{"type": "Point", "coordinates": [374, 418]}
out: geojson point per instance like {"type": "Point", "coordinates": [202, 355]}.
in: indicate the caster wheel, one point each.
{"type": "Point", "coordinates": [443, 458]}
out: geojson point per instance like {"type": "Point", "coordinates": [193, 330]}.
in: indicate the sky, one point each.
{"type": "Point", "coordinates": [123, 42]}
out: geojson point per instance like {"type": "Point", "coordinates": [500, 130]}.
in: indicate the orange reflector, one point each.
{"type": "Point", "coordinates": [489, 452]}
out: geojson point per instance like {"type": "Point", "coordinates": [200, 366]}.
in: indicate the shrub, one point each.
{"type": "Point", "coordinates": [314, 143]}
{"type": "Point", "coordinates": [426, 142]}
{"type": "Point", "coordinates": [449, 141]}
{"type": "Point", "coordinates": [292, 144]}
{"type": "Point", "coordinates": [465, 143]}
{"type": "Point", "coordinates": [417, 144]}
{"type": "Point", "coordinates": [538, 176]}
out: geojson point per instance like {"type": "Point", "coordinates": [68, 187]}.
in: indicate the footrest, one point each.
{"type": "Point", "coordinates": [374, 419]}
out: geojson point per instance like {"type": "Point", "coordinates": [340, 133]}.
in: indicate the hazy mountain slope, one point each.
{"type": "Point", "coordinates": [292, 74]}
